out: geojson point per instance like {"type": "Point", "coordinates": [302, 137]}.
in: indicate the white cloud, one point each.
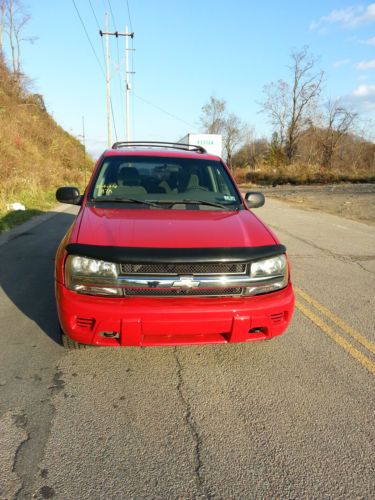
{"type": "Point", "coordinates": [349, 17]}
{"type": "Point", "coordinates": [362, 100]}
{"type": "Point", "coordinates": [366, 64]}
{"type": "Point", "coordinates": [342, 62]}
{"type": "Point", "coordinates": [364, 91]}
{"type": "Point", "coordinates": [369, 41]}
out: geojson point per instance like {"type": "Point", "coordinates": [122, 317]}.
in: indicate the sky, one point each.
{"type": "Point", "coordinates": [186, 51]}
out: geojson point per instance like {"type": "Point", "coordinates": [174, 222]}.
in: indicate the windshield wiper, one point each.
{"type": "Point", "coordinates": [124, 200]}
{"type": "Point", "coordinates": [188, 201]}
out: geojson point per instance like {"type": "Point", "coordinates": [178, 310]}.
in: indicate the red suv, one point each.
{"type": "Point", "coordinates": [166, 251]}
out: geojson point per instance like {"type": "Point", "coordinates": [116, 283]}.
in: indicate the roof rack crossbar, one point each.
{"type": "Point", "coordinates": [155, 144]}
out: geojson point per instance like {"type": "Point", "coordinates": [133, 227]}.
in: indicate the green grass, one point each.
{"type": "Point", "coordinates": [36, 203]}
{"type": "Point", "coordinates": [12, 219]}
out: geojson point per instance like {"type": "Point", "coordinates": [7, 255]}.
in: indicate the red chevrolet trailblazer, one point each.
{"type": "Point", "coordinates": [165, 251]}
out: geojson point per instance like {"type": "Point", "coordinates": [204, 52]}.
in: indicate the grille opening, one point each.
{"type": "Point", "coordinates": [258, 329]}
{"type": "Point", "coordinates": [189, 268]}
{"type": "Point", "coordinates": [110, 335]}
{"type": "Point", "coordinates": [277, 317]}
{"type": "Point", "coordinates": [87, 323]}
{"type": "Point", "coordinates": [170, 292]}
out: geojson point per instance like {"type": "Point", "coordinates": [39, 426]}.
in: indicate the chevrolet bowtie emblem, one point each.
{"type": "Point", "coordinates": [185, 282]}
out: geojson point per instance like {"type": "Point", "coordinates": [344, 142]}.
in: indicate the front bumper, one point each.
{"type": "Point", "coordinates": [146, 321]}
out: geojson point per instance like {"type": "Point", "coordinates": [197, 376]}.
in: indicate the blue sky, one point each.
{"type": "Point", "coordinates": [187, 51]}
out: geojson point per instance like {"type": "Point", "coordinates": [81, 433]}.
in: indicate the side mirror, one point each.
{"type": "Point", "coordinates": [69, 195]}
{"type": "Point", "coordinates": [254, 200]}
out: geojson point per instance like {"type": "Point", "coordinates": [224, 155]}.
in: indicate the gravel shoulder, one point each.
{"type": "Point", "coordinates": [352, 201]}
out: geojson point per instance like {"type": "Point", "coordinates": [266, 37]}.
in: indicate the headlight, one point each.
{"type": "Point", "coordinates": [91, 267]}
{"type": "Point", "coordinates": [91, 276]}
{"type": "Point", "coordinates": [269, 275]}
{"type": "Point", "coordinates": [275, 266]}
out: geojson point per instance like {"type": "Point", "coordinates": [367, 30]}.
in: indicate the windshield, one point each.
{"type": "Point", "coordinates": [166, 182]}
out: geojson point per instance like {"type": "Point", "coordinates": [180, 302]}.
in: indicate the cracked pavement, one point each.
{"type": "Point", "coordinates": [12, 436]}
{"type": "Point", "coordinates": [292, 418]}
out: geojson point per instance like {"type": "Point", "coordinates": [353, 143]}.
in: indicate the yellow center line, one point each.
{"type": "Point", "coordinates": [338, 321]}
{"type": "Point", "coordinates": [361, 358]}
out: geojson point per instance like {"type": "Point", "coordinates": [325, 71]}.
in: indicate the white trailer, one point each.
{"type": "Point", "coordinates": [212, 143]}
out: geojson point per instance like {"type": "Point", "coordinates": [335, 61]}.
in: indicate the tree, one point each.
{"type": "Point", "coordinates": [253, 151]}
{"type": "Point", "coordinates": [276, 105]}
{"type": "Point", "coordinates": [337, 123]}
{"type": "Point", "coordinates": [289, 105]}
{"type": "Point", "coordinates": [15, 20]}
{"type": "Point", "coordinates": [217, 120]}
{"type": "Point", "coordinates": [2, 23]}
{"type": "Point", "coordinates": [234, 134]}
{"type": "Point", "coordinates": [275, 154]}
{"type": "Point", "coordinates": [214, 115]}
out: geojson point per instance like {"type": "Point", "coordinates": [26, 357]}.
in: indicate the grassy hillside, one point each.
{"type": "Point", "coordinates": [36, 154]}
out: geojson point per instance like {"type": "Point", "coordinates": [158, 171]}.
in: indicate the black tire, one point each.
{"type": "Point", "coordinates": [69, 343]}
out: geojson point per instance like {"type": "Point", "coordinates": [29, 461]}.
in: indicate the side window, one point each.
{"type": "Point", "coordinates": [223, 186]}
{"type": "Point", "coordinates": [101, 181]}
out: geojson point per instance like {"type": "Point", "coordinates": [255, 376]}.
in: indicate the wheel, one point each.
{"type": "Point", "coordinates": [69, 343]}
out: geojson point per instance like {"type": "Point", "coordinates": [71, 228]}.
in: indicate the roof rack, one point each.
{"type": "Point", "coordinates": [155, 144]}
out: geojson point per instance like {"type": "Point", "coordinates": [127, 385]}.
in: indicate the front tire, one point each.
{"type": "Point", "coordinates": [69, 343]}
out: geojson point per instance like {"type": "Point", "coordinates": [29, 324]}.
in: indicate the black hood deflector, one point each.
{"type": "Point", "coordinates": [144, 255]}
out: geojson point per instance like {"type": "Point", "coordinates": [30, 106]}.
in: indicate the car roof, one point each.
{"type": "Point", "coordinates": [157, 148]}
{"type": "Point", "coordinates": [170, 153]}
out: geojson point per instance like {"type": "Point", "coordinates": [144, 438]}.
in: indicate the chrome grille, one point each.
{"type": "Point", "coordinates": [167, 292]}
{"type": "Point", "coordinates": [184, 269]}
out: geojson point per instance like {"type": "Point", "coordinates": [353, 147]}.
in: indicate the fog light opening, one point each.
{"type": "Point", "coordinates": [110, 335]}
{"type": "Point", "coordinates": [258, 329]}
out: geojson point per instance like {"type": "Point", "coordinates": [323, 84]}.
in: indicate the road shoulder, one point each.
{"type": "Point", "coordinates": [32, 223]}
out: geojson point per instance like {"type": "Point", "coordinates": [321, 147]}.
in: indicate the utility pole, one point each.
{"type": "Point", "coordinates": [107, 77]}
{"type": "Point", "coordinates": [127, 87]}
{"type": "Point", "coordinates": [84, 148]}
{"type": "Point", "coordinates": [127, 73]}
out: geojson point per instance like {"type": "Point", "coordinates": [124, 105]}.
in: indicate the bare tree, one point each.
{"type": "Point", "coordinates": [276, 105]}
{"type": "Point", "coordinates": [337, 123]}
{"type": "Point", "coordinates": [10, 30]}
{"type": "Point", "coordinates": [214, 115]}
{"type": "Point", "coordinates": [234, 134]}
{"type": "Point", "coordinates": [217, 120]}
{"type": "Point", "coordinates": [289, 104]}
{"type": "Point", "coordinates": [16, 19]}
{"type": "Point", "coordinates": [2, 22]}
{"type": "Point", "coordinates": [22, 21]}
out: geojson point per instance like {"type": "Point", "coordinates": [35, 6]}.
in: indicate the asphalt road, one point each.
{"type": "Point", "coordinates": [289, 418]}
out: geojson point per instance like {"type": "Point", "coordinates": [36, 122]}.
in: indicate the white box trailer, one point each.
{"type": "Point", "coordinates": [212, 143]}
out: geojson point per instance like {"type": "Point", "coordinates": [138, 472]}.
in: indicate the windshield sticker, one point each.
{"type": "Point", "coordinates": [106, 188]}
{"type": "Point", "coordinates": [229, 198]}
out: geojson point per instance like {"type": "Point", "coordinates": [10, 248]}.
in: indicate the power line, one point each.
{"type": "Point", "coordinates": [98, 25]}
{"type": "Point", "coordinates": [163, 110]}
{"type": "Point", "coordinates": [88, 38]}
{"type": "Point", "coordinates": [95, 54]}
{"type": "Point", "coordinates": [113, 120]}
{"type": "Point", "coordinates": [130, 19]}
{"type": "Point", "coordinates": [132, 66]}
{"type": "Point", "coordinates": [118, 62]}
{"type": "Point", "coordinates": [113, 17]}
{"type": "Point", "coordinates": [96, 19]}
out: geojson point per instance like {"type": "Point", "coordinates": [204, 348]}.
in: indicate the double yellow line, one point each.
{"type": "Point", "coordinates": [338, 322]}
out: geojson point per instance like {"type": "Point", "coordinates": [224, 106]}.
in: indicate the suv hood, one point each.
{"type": "Point", "coordinates": [170, 228]}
